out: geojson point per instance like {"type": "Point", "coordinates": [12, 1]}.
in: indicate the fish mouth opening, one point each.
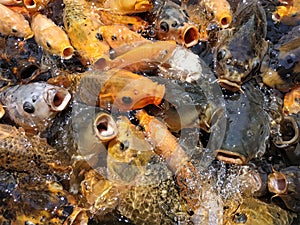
{"type": "Point", "coordinates": [68, 52]}
{"type": "Point", "coordinates": [27, 71]}
{"type": "Point", "coordinates": [29, 4]}
{"type": "Point", "coordinates": [58, 99]}
{"type": "Point", "coordinates": [225, 20]}
{"type": "Point", "coordinates": [230, 157]}
{"type": "Point", "coordinates": [277, 183]}
{"type": "Point", "coordinates": [105, 127]}
{"type": "Point", "coordinates": [190, 36]}
{"type": "Point", "coordinates": [230, 85]}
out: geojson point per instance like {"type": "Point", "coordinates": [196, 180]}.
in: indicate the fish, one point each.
{"type": "Point", "coordinates": [92, 129]}
{"type": "Point", "coordinates": [27, 70]}
{"type": "Point", "coordinates": [33, 198]}
{"type": "Point", "coordinates": [255, 212]}
{"type": "Point", "coordinates": [172, 23]}
{"type": "Point", "coordinates": [291, 102]}
{"type": "Point", "coordinates": [35, 154]}
{"type": "Point", "coordinates": [140, 58]}
{"type": "Point", "coordinates": [167, 147]}
{"type": "Point", "coordinates": [14, 24]}
{"type": "Point", "coordinates": [134, 23]}
{"type": "Point", "coordinates": [287, 12]}
{"type": "Point", "coordinates": [246, 133]}
{"type": "Point", "coordinates": [121, 91]}
{"type": "Point", "coordinates": [113, 89]}
{"type": "Point", "coordinates": [81, 25]}
{"type": "Point", "coordinates": [127, 7]}
{"type": "Point", "coordinates": [283, 70]}
{"type": "Point", "coordinates": [221, 11]}
{"type": "Point", "coordinates": [241, 48]}
{"type": "Point", "coordinates": [120, 38]}
{"type": "Point", "coordinates": [128, 153]}
{"type": "Point", "coordinates": [285, 184]}
{"type": "Point", "coordinates": [51, 37]}
{"type": "Point", "coordinates": [33, 106]}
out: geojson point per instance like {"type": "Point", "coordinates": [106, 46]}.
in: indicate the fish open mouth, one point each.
{"type": "Point", "coordinates": [58, 99]}
{"type": "Point", "coordinates": [29, 4]}
{"type": "Point", "coordinates": [67, 52]}
{"type": "Point", "coordinates": [105, 127]}
{"type": "Point", "coordinates": [190, 36]}
{"type": "Point", "coordinates": [230, 157]}
{"type": "Point", "coordinates": [225, 20]}
{"type": "Point", "coordinates": [277, 183]}
{"type": "Point", "coordinates": [230, 85]}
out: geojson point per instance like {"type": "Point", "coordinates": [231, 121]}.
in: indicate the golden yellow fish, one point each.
{"type": "Point", "coordinates": [11, 2]}
{"type": "Point", "coordinates": [51, 37]}
{"type": "Point", "coordinates": [128, 6]}
{"type": "Point", "coordinates": [14, 24]}
{"type": "Point", "coordinates": [82, 24]}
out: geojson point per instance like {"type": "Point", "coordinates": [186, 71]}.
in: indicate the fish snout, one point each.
{"type": "Point", "coordinates": [189, 35]}
{"type": "Point", "coordinates": [57, 98]}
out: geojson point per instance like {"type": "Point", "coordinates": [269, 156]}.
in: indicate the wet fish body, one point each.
{"type": "Point", "coordinates": [284, 64]}
{"type": "Point", "coordinates": [51, 37]}
{"type": "Point", "coordinates": [172, 23]}
{"type": "Point", "coordinates": [33, 106]}
{"type": "Point", "coordinates": [241, 47]}
{"type": "Point", "coordinates": [82, 24]}
{"type": "Point", "coordinates": [247, 126]}
{"type": "Point", "coordinates": [14, 24]}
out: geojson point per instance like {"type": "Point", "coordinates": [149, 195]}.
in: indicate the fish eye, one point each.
{"type": "Point", "coordinates": [255, 65]}
{"type": "Point", "coordinates": [124, 145]}
{"type": "Point", "coordinates": [164, 26]}
{"type": "Point", "coordinates": [28, 107]}
{"type": "Point", "coordinates": [221, 54]}
{"type": "Point", "coordinates": [14, 30]}
{"type": "Point", "coordinates": [240, 218]}
{"type": "Point", "coordinates": [290, 60]}
{"type": "Point", "coordinates": [48, 44]}
{"type": "Point", "coordinates": [127, 100]}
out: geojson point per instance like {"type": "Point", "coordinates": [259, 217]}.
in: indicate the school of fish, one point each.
{"type": "Point", "coordinates": [163, 112]}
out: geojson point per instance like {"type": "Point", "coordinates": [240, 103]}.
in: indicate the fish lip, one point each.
{"type": "Point", "coordinates": [230, 157]}
{"type": "Point", "coordinates": [105, 127]}
{"type": "Point", "coordinates": [230, 85]}
{"type": "Point", "coordinates": [57, 98]}
{"type": "Point", "coordinates": [275, 180]}
{"type": "Point", "coordinates": [67, 52]}
{"type": "Point", "coordinates": [190, 36]}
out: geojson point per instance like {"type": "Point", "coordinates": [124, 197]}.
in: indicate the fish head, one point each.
{"type": "Point", "coordinates": [173, 24]}
{"type": "Point", "coordinates": [128, 153]}
{"type": "Point", "coordinates": [232, 69]}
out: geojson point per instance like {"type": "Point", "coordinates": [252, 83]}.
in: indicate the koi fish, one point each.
{"type": "Point", "coordinates": [33, 106]}
{"type": "Point", "coordinates": [14, 24]}
{"type": "Point", "coordinates": [127, 7]}
{"type": "Point", "coordinates": [51, 37]}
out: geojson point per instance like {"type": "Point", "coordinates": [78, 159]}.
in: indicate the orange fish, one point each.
{"type": "Point", "coordinates": [169, 149]}
{"type": "Point", "coordinates": [288, 12]}
{"type": "Point", "coordinates": [125, 90]}
{"type": "Point", "coordinates": [51, 37]}
{"type": "Point", "coordinates": [221, 11]}
{"type": "Point", "coordinates": [128, 6]}
{"type": "Point", "coordinates": [291, 103]}
{"type": "Point", "coordinates": [14, 24]}
{"type": "Point", "coordinates": [120, 38]}
{"type": "Point", "coordinates": [134, 23]}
